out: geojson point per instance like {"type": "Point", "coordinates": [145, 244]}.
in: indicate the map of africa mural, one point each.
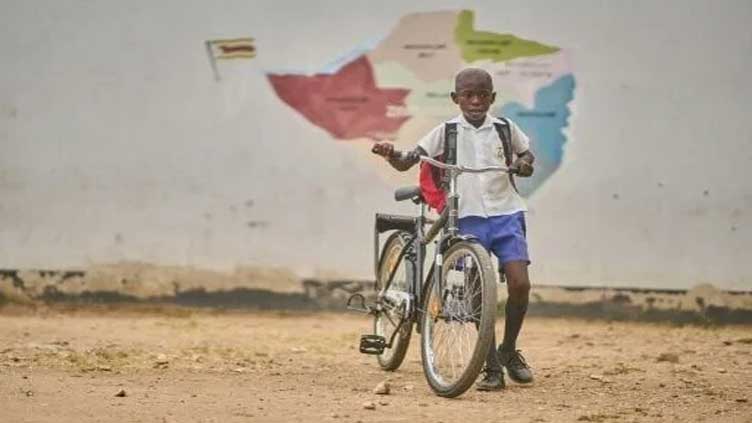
{"type": "Point", "coordinates": [398, 88]}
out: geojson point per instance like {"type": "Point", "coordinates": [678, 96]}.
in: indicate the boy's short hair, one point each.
{"type": "Point", "coordinates": [471, 71]}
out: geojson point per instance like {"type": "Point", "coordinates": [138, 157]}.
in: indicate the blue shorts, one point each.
{"type": "Point", "coordinates": [502, 235]}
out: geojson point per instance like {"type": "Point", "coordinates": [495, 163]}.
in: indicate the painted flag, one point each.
{"type": "Point", "coordinates": [235, 48]}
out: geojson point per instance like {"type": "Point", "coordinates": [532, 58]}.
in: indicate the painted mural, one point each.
{"type": "Point", "coordinates": [397, 88]}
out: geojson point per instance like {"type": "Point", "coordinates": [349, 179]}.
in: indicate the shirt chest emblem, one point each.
{"type": "Point", "coordinates": [500, 153]}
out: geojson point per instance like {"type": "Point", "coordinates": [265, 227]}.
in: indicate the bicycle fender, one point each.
{"type": "Point", "coordinates": [448, 241]}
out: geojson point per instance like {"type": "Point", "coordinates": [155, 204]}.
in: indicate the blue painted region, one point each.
{"type": "Point", "coordinates": [544, 124]}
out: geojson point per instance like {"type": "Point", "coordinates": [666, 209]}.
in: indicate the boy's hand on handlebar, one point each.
{"type": "Point", "coordinates": [521, 167]}
{"type": "Point", "coordinates": [384, 149]}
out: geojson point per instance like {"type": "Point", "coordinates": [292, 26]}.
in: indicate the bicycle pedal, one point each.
{"type": "Point", "coordinates": [372, 344]}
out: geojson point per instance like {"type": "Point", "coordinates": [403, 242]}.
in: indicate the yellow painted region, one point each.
{"type": "Point", "coordinates": [247, 40]}
{"type": "Point", "coordinates": [236, 56]}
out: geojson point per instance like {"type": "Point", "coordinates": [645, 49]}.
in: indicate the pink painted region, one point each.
{"type": "Point", "coordinates": [347, 104]}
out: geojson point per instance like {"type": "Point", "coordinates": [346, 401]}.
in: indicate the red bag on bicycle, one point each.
{"type": "Point", "coordinates": [430, 186]}
{"type": "Point", "coordinates": [432, 180]}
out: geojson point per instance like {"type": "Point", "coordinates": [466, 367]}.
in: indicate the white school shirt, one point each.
{"type": "Point", "coordinates": [481, 194]}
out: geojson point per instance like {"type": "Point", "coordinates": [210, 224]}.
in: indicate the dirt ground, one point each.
{"type": "Point", "coordinates": [183, 365]}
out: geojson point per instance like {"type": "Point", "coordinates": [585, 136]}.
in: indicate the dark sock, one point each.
{"type": "Point", "coordinates": [514, 315]}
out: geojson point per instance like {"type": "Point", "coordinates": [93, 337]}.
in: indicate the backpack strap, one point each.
{"type": "Point", "coordinates": [505, 135]}
{"type": "Point", "coordinates": [450, 143]}
{"type": "Point", "coordinates": [450, 150]}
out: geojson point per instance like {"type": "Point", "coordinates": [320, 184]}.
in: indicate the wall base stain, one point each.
{"type": "Point", "coordinates": [265, 289]}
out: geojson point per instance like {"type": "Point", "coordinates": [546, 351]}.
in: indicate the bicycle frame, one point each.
{"type": "Point", "coordinates": [407, 246]}
{"type": "Point", "coordinates": [415, 250]}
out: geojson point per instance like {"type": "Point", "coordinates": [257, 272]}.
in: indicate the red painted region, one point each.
{"type": "Point", "coordinates": [347, 104]}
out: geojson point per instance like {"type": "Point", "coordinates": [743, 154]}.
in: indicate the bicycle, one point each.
{"type": "Point", "coordinates": [454, 307]}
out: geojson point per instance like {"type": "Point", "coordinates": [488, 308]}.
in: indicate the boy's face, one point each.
{"type": "Point", "coordinates": [474, 94]}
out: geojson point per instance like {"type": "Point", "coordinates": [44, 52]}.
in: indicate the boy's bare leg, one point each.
{"type": "Point", "coordinates": [518, 287]}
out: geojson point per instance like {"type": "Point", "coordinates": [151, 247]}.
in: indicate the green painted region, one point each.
{"type": "Point", "coordinates": [482, 45]}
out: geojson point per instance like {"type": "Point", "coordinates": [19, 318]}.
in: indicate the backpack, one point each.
{"type": "Point", "coordinates": [434, 182]}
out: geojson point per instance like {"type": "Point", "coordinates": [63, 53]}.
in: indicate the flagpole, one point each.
{"type": "Point", "coordinates": [212, 61]}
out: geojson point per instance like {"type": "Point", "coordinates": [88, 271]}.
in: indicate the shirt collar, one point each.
{"type": "Point", "coordinates": [486, 123]}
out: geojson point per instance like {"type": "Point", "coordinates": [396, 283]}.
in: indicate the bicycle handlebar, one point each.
{"type": "Point", "coordinates": [442, 165]}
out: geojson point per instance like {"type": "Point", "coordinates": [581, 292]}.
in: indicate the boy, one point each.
{"type": "Point", "coordinates": [490, 207]}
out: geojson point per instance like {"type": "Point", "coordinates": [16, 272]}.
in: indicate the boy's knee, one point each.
{"type": "Point", "coordinates": [518, 287]}
{"type": "Point", "coordinates": [518, 281]}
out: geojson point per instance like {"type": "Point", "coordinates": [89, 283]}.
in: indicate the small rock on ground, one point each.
{"type": "Point", "coordinates": [668, 357]}
{"type": "Point", "coordinates": [382, 388]}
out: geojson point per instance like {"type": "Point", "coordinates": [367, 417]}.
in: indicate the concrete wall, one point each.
{"type": "Point", "coordinates": [117, 144]}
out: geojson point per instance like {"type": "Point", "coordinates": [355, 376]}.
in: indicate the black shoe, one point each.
{"type": "Point", "coordinates": [493, 380]}
{"type": "Point", "coordinates": [516, 366]}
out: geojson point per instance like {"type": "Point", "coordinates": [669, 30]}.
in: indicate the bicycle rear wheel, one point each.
{"type": "Point", "coordinates": [458, 318]}
{"type": "Point", "coordinates": [393, 303]}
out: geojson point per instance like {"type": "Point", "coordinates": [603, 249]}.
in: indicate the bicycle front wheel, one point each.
{"type": "Point", "coordinates": [457, 323]}
{"type": "Point", "coordinates": [391, 318]}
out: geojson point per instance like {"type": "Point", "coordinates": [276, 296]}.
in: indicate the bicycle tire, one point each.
{"type": "Point", "coordinates": [462, 312]}
{"type": "Point", "coordinates": [392, 358]}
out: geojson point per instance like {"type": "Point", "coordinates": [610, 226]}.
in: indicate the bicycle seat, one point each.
{"type": "Point", "coordinates": [408, 193]}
